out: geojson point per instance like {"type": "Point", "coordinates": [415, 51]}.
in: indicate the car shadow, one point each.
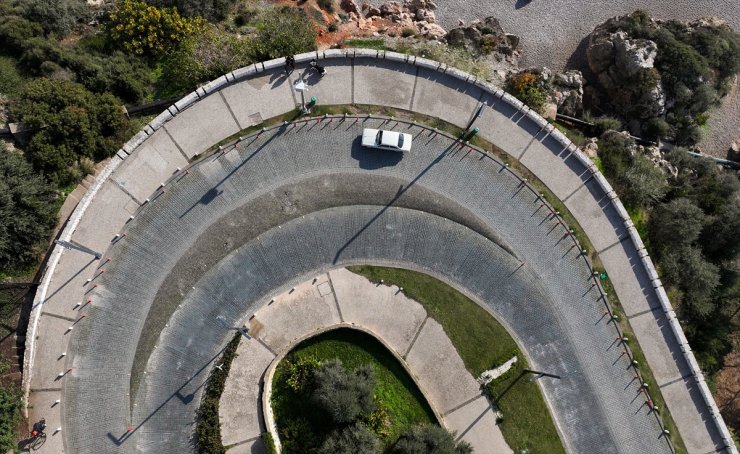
{"type": "Point", "coordinates": [373, 158]}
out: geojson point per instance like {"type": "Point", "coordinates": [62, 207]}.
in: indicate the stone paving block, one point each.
{"type": "Point", "coordinates": [250, 447]}
{"type": "Point", "coordinates": [109, 211]}
{"type": "Point", "coordinates": [368, 305]}
{"type": "Point", "coordinates": [44, 407]}
{"type": "Point", "coordinates": [51, 343]}
{"type": "Point", "coordinates": [384, 82]}
{"type": "Point", "coordinates": [476, 424]}
{"type": "Point", "coordinates": [152, 163]}
{"type": "Point", "coordinates": [498, 125]}
{"type": "Point", "coordinates": [587, 206]}
{"type": "Point", "coordinates": [633, 287]}
{"type": "Point", "coordinates": [541, 157]}
{"type": "Point", "coordinates": [202, 125]}
{"type": "Point", "coordinates": [655, 338]}
{"type": "Point", "coordinates": [683, 398]}
{"type": "Point", "coordinates": [240, 409]}
{"type": "Point", "coordinates": [66, 286]}
{"type": "Point", "coordinates": [439, 369]}
{"type": "Point", "coordinates": [334, 87]}
{"type": "Point", "coordinates": [442, 96]}
{"type": "Point", "coordinates": [257, 99]}
{"type": "Point", "coordinates": [303, 310]}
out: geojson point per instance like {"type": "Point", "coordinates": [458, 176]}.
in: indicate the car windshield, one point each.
{"type": "Point", "coordinates": [379, 138]}
{"type": "Point", "coordinates": [400, 141]}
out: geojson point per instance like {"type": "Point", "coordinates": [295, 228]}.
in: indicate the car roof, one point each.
{"type": "Point", "coordinates": [390, 138]}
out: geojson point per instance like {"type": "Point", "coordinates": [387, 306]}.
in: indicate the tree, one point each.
{"type": "Point", "coordinates": [354, 439]}
{"type": "Point", "coordinates": [69, 123]}
{"type": "Point", "coordinates": [147, 30]}
{"type": "Point", "coordinates": [429, 439]}
{"type": "Point", "coordinates": [286, 31]}
{"type": "Point", "coordinates": [28, 212]}
{"type": "Point", "coordinates": [203, 57]}
{"type": "Point", "coordinates": [675, 224]}
{"type": "Point", "coordinates": [644, 184]}
{"type": "Point", "coordinates": [344, 395]}
{"type": "Point", "coordinates": [720, 237]}
{"type": "Point", "coordinates": [685, 268]}
{"type": "Point", "coordinates": [56, 16]}
{"type": "Point", "coordinates": [212, 10]}
{"type": "Point", "coordinates": [656, 128]}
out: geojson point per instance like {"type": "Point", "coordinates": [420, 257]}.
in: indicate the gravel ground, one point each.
{"type": "Point", "coordinates": [552, 30]}
{"type": "Point", "coordinates": [724, 125]}
{"type": "Point", "coordinates": [554, 34]}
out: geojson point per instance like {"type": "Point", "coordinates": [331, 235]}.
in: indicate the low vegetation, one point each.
{"type": "Point", "coordinates": [208, 427]}
{"type": "Point", "coordinates": [483, 344]}
{"type": "Point", "coordinates": [343, 391]}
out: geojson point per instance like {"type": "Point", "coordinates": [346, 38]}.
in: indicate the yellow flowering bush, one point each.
{"type": "Point", "coordinates": [147, 30]}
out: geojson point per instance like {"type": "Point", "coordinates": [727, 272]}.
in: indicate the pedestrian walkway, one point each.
{"type": "Point", "coordinates": [341, 298]}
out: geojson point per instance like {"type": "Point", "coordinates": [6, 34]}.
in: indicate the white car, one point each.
{"type": "Point", "coordinates": [386, 140]}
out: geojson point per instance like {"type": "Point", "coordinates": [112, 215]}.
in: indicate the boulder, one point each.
{"type": "Point", "coordinates": [631, 56]}
{"type": "Point", "coordinates": [591, 147]}
{"type": "Point", "coordinates": [426, 15]}
{"type": "Point", "coordinates": [484, 37]}
{"type": "Point", "coordinates": [431, 31]}
{"type": "Point", "coordinates": [350, 6]}
{"type": "Point", "coordinates": [371, 11]}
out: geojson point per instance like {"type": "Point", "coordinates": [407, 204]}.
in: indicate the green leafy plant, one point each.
{"type": "Point", "coordinates": [429, 439]}
{"type": "Point", "coordinates": [146, 30]}
{"type": "Point", "coordinates": [28, 212]}
{"type": "Point", "coordinates": [286, 31]}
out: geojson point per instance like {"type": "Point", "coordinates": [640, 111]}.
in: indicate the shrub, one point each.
{"type": "Point", "coordinates": [208, 426]}
{"type": "Point", "coordinates": [147, 30]}
{"type": "Point", "coordinates": [720, 236]}
{"type": "Point", "coordinates": [10, 79]}
{"type": "Point", "coordinates": [28, 212]}
{"type": "Point", "coordinates": [326, 5]}
{"type": "Point", "coordinates": [287, 31]}
{"type": "Point", "coordinates": [15, 32]}
{"type": "Point", "coordinates": [344, 395]}
{"type": "Point", "coordinates": [301, 374]}
{"type": "Point", "coordinates": [56, 16]}
{"type": "Point", "coordinates": [643, 184]}
{"type": "Point", "coordinates": [408, 32]}
{"type": "Point", "coordinates": [69, 123]}
{"type": "Point", "coordinates": [11, 404]}
{"type": "Point", "coordinates": [675, 224]}
{"type": "Point", "coordinates": [697, 279]}
{"type": "Point", "coordinates": [333, 27]}
{"type": "Point", "coordinates": [429, 439]}
{"type": "Point", "coordinates": [655, 129]}
{"type": "Point", "coordinates": [529, 89]}
{"type": "Point", "coordinates": [212, 10]}
{"type": "Point", "coordinates": [352, 439]}
{"type": "Point", "coordinates": [203, 57]}
{"type": "Point", "coordinates": [603, 124]}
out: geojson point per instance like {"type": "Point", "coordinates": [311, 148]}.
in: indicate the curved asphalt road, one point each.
{"type": "Point", "coordinates": [321, 201]}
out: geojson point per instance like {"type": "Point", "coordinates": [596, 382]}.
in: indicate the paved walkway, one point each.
{"type": "Point", "coordinates": [114, 335]}
{"type": "Point", "coordinates": [342, 297]}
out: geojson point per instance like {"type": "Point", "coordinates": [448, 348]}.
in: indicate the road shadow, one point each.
{"type": "Point", "coordinates": [521, 3]}
{"type": "Point", "coordinates": [371, 158]}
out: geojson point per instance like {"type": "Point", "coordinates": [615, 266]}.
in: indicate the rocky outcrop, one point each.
{"type": "Point", "coordinates": [483, 37]}
{"type": "Point", "coordinates": [625, 70]}
{"type": "Point", "coordinates": [566, 92]}
{"type": "Point", "coordinates": [395, 17]}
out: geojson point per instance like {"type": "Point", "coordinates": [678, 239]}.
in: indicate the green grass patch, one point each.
{"type": "Point", "coordinates": [377, 44]}
{"type": "Point", "coordinates": [395, 391]}
{"type": "Point", "coordinates": [639, 217]}
{"type": "Point", "coordinates": [482, 343]}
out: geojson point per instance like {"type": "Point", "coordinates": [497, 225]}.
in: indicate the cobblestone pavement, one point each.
{"type": "Point", "coordinates": [293, 182]}
{"type": "Point", "coordinates": [341, 298]}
